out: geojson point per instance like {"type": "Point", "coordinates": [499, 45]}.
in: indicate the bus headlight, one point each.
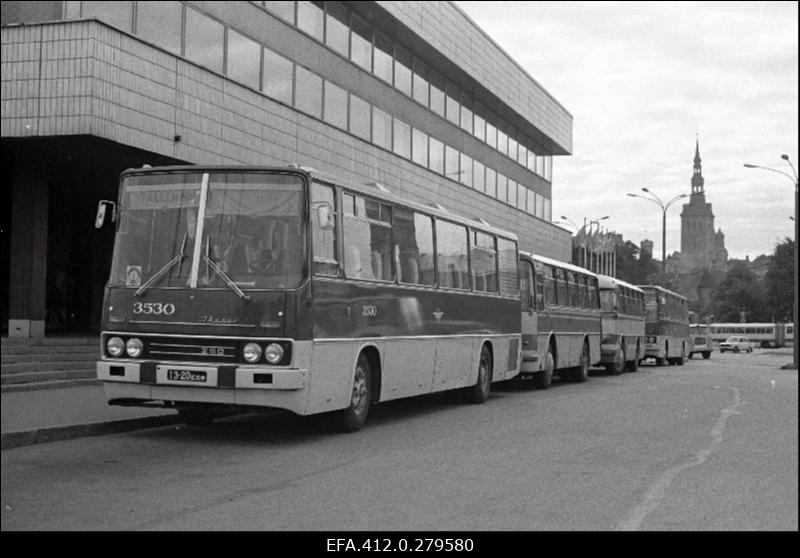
{"type": "Point", "coordinates": [134, 347]}
{"type": "Point", "coordinates": [274, 353]}
{"type": "Point", "coordinates": [252, 352]}
{"type": "Point", "coordinates": [115, 346]}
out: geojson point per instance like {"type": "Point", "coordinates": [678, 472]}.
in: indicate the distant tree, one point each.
{"type": "Point", "coordinates": [740, 291]}
{"type": "Point", "coordinates": [634, 266]}
{"type": "Point", "coordinates": [779, 281]}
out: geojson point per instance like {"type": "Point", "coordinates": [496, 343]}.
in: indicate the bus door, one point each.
{"type": "Point", "coordinates": [530, 354]}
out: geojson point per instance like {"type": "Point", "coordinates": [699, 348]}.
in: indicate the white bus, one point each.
{"type": "Point", "coordinates": [623, 340]}
{"type": "Point", "coordinates": [765, 335]}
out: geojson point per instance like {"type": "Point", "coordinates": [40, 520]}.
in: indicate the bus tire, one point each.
{"type": "Point", "coordinates": [681, 359]}
{"type": "Point", "coordinates": [479, 393]}
{"type": "Point", "coordinates": [618, 366]}
{"type": "Point", "coordinates": [580, 373]}
{"type": "Point", "coordinates": [544, 379]}
{"type": "Point", "coordinates": [706, 355]}
{"type": "Point", "coordinates": [354, 416]}
{"type": "Point", "coordinates": [633, 365]}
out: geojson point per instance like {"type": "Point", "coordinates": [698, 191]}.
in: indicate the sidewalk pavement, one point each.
{"type": "Point", "coordinates": [48, 415]}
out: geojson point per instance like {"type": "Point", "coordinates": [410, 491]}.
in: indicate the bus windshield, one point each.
{"type": "Point", "coordinates": [250, 227]}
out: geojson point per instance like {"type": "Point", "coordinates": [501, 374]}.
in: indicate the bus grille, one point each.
{"type": "Point", "coordinates": [191, 348]}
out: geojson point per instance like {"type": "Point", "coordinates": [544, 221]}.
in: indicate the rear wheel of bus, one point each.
{"type": "Point", "coordinates": [633, 365]}
{"type": "Point", "coordinates": [479, 393]}
{"type": "Point", "coordinates": [353, 417]}
{"type": "Point", "coordinates": [581, 372]}
{"type": "Point", "coordinates": [544, 379]}
{"type": "Point", "coordinates": [618, 366]}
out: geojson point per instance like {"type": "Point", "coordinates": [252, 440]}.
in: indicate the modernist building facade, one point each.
{"type": "Point", "coordinates": [413, 95]}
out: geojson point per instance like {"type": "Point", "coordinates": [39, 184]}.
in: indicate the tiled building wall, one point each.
{"type": "Point", "coordinates": [447, 29]}
{"type": "Point", "coordinates": [86, 78]}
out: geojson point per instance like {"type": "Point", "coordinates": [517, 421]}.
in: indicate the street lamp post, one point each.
{"type": "Point", "coordinates": [664, 206]}
{"type": "Point", "coordinates": [794, 309]}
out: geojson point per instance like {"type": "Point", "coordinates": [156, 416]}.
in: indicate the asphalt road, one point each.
{"type": "Point", "coordinates": [708, 446]}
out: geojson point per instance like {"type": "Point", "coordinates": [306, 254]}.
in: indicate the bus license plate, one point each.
{"type": "Point", "coordinates": [180, 375]}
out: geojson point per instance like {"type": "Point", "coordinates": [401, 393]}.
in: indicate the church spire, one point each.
{"type": "Point", "coordinates": [697, 177]}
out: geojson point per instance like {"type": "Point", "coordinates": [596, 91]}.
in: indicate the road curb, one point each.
{"type": "Point", "coordinates": [55, 433]}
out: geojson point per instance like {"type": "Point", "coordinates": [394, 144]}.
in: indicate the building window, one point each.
{"type": "Point", "coordinates": [335, 110]}
{"type": "Point", "coordinates": [204, 40]}
{"type": "Point", "coordinates": [420, 82]}
{"type": "Point", "coordinates": [502, 142]}
{"type": "Point", "coordinates": [160, 23]}
{"type": "Point", "coordinates": [419, 147]}
{"type": "Point", "coordinates": [361, 44]}
{"type": "Point", "coordinates": [402, 70]}
{"type": "Point", "coordinates": [359, 117]}
{"type": "Point", "coordinates": [311, 19]}
{"type": "Point", "coordinates": [278, 77]}
{"type": "Point", "coordinates": [479, 180]}
{"type": "Point", "coordinates": [466, 170]}
{"type": "Point", "coordinates": [337, 31]}
{"type": "Point", "coordinates": [244, 59]}
{"type": "Point", "coordinates": [452, 111]}
{"type": "Point", "coordinates": [284, 10]}
{"type": "Point", "coordinates": [382, 64]}
{"type": "Point", "coordinates": [381, 128]}
{"type": "Point", "coordinates": [466, 116]}
{"type": "Point", "coordinates": [436, 159]}
{"type": "Point", "coordinates": [401, 138]}
{"type": "Point", "coordinates": [308, 95]}
{"type": "Point", "coordinates": [116, 14]}
{"type": "Point", "coordinates": [502, 188]}
{"type": "Point", "coordinates": [491, 182]}
{"type": "Point", "coordinates": [491, 135]}
{"type": "Point", "coordinates": [531, 207]}
{"type": "Point", "coordinates": [451, 163]}
{"type": "Point", "coordinates": [480, 127]}
{"type": "Point", "coordinates": [512, 148]}
{"type": "Point", "coordinates": [437, 94]}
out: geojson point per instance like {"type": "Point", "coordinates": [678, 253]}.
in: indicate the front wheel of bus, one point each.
{"type": "Point", "coordinates": [479, 393]}
{"type": "Point", "coordinates": [633, 365]}
{"type": "Point", "coordinates": [352, 418]}
{"type": "Point", "coordinates": [706, 355]}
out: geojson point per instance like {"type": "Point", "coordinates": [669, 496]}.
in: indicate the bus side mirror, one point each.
{"type": "Point", "coordinates": [325, 216]}
{"type": "Point", "coordinates": [100, 218]}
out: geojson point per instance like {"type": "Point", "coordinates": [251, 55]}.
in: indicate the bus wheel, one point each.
{"type": "Point", "coordinates": [543, 379]}
{"type": "Point", "coordinates": [681, 359]}
{"type": "Point", "coordinates": [633, 365]}
{"type": "Point", "coordinates": [352, 418]}
{"type": "Point", "coordinates": [581, 372]}
{"type": "Point", "coordinates": [706, 355]}
{"type": "Point", "coordinates": [618, 366]}
{"type": "Point", "coordinates": [479, 393]}
{"type": "Point", "coordinates": [661, 361]}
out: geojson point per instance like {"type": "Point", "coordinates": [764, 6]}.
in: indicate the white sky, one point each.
{"type": "Point", "coordinates": [641, 79]}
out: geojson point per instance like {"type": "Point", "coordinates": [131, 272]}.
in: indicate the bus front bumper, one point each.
{"type": "Point", "coordinates": [201, 376]}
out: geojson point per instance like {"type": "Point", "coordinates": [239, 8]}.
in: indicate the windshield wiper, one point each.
{"type": "Point", "coordinates": [163, 271]}
{"type": "Point", "coordinates": [228, 281]}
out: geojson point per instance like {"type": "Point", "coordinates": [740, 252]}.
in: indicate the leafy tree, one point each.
{"type": "Point", "coordinates": [779, 281]}
{"type": "Point", "coordinates": [740, 291]}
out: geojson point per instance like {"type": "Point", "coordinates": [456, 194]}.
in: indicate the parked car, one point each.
{"type": "Point", "coordinates": [736, 344]}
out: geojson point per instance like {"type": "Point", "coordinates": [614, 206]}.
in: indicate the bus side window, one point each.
{"type": "Point", "coordinates": [538, 287]}
{"type": "Point", "coordinates": [323, 235]}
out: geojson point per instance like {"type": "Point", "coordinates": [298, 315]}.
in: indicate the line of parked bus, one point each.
{"type": "Point", "coordinates": [235, 289]}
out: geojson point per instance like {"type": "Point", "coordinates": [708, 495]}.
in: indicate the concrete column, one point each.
{"type": "Point", "coordinates": [28, 274]}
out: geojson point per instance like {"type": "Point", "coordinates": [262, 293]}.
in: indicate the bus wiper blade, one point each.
{"type": "Point", "coordinates": [163, 271]}
{"type": "Point", "coordinates": [228, 281]}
